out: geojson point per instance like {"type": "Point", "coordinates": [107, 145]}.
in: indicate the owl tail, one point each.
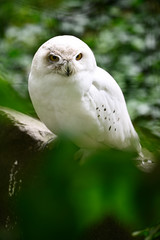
{"type": "Point", "coordinates": [146, 160]}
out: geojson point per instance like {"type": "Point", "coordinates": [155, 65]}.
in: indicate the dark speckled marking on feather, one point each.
{"type": "Point", "coordinates": [109, 128]}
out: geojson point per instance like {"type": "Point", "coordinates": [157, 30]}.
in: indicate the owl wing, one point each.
{"type": "Point", "coordinates": [111, 112]}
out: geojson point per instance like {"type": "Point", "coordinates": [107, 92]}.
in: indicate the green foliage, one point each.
{"type": "Point", "coordinates": [123, 35]}
{"type": "Point", "coordinates": [62, 197]}
{"type": "Point", "coordinates": [10, 98]}
{"type": "Point", "coordinates": [149, 233]}
{"type": "Point", "coordinates": [65, 197]}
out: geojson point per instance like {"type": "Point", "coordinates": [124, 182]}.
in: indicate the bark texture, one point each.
{"type": "Point", "coordinates": [22, 138]}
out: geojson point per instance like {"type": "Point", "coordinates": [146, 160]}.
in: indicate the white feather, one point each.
{"type": "Point", "coordinates": [88, 105]}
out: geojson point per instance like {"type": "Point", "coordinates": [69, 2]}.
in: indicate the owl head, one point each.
{"type": "Point", "coordinates": [64, 55]}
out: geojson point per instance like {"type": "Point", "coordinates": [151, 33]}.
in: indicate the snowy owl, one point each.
{"type": "Point", "coordinates": [72, 95]}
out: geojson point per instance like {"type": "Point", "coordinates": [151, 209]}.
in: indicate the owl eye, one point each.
{"type": "Point", "coordinates": [79, 56]}
{"type": "Point", "coordinates": [53, 58]}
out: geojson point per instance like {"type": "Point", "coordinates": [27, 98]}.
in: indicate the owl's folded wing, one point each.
{"type": "Point", "coordinates": [112, 112]}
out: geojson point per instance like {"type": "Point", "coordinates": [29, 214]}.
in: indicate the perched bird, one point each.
{"type": "Point", "coordinates": [72, 95]}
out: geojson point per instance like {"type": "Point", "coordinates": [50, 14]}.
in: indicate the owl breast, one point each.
{"type": "Point", "coordinates": [90, 117]}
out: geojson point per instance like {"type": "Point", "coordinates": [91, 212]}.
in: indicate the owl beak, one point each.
{"type": "Point", "coordinates": [68, 70]}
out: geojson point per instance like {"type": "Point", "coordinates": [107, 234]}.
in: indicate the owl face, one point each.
{"type": "Point", "coordinates": [65, 62]}
{"type": "Point", "coordinates": [63, 56]}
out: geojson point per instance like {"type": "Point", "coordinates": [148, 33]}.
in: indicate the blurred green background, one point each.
{"type": "Point", "coordinates": [124, 36]}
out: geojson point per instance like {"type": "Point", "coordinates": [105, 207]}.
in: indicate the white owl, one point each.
{"type": "Point", "coordinates": [72, 95]}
